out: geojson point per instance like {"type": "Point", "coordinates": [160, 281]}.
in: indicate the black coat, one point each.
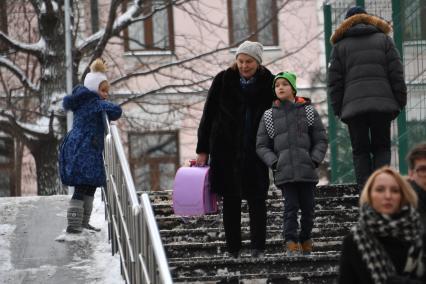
{"type": "Point", "coordinates": [365, 71]}
{"type": "Point", "coordinates": [353, 268]}
{"type": "Point", "coordinates": [421, 205]}
{"type": "Point", "coordinates": [235, 169]}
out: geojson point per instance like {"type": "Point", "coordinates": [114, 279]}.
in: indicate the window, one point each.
{"type": "Point", "coordinates": [3, 21]}
{"type": "Point", "coordinates": [154, 33]}
{"type": "Point", "coordinates": [154, 159]}
{"type": "Point", "coordinates": [414, 20]}
{"type": "Point", "coordinates": [7, 167]}
{"type": "Point", "coordinates": [257, 17]}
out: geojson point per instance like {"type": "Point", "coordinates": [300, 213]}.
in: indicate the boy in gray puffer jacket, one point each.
{"type": "Point", "coordinates": [292, 141]}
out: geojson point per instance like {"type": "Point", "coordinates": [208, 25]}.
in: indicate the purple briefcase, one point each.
{"type": "Point", "coordinates": [191, 192]}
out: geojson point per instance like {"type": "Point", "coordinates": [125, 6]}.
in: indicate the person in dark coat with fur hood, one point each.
{"type": "Point", "coordinates": [292, 141]}
{"type": "Point", "coordinates": [80, 159]}
{"type": "Point", "coordinates": [367, 88]}
{"type": "Point", "coordinates": [235, 104]}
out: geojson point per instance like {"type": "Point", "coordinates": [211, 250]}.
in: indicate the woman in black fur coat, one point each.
{"type": "Point", "coordinates": [235, 104]}
{"type": "Point", "coordinates": [386, 246]}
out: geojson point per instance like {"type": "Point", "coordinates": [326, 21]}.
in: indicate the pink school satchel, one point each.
{"type": "Point", "coordinates": [191, 192]}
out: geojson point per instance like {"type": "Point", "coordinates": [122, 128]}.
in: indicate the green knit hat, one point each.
{"type": "Point", "coordinates": [290, 77]}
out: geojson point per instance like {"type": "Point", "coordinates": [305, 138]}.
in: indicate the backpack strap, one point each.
{"type": "Point", "coordinates": [310, 116]}
{"type": "Point", "coordinates": [269, 123]}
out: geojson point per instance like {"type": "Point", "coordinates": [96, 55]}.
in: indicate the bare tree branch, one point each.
{"type": "Point", "coordinates": [19, 74]}
{"type": "Point", "coordinates": [100, 47]}
{"type": "Point", "coordinates": [36, 6]}
{"type": "Point", "coordinates": [130, 16]}
{"type": "Point", "coordinates": [37, 49]}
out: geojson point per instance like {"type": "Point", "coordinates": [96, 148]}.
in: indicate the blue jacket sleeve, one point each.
{"type": "Point", "coordinates": [112, 110]}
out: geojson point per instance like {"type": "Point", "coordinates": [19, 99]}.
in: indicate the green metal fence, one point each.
{"type": "Point", "coordinates": [408, 18]}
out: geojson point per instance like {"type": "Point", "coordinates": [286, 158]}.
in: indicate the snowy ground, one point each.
{"type": "Point", "coordinates": [34, 247]}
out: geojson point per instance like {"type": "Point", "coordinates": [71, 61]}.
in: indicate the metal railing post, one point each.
{"type": "Point", "coordinates": [332, 127]}
{"type": "Point", "coordinates": [401, 120]}
{"type": "Point", "coordinates": [132, 226]}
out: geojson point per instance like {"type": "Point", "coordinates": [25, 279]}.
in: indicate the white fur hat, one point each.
{"type": "Point", "coordinates": [93, 80]}
{"type": "Point", "coordinates": [251, 48]}
{"type": "Point", "coordinates": [96, 75]}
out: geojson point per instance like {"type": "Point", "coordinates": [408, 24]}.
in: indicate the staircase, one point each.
{"type": "Point", "coordinates": [195, 247]}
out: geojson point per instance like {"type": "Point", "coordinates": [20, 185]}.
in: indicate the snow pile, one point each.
{"type": "Point", "coordinates": [90, 252]}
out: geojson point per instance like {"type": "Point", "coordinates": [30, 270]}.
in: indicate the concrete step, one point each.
{"type": "Point", "coordinates": [165, 207]}
{"type": "Point", "coordinates": [211, 234]}
{"type": "Point", "coordinates": [273, 218]}
{"type": "Point", "coordinates": [273, 193]}
{"type": "Point", "coordinates": [304, 277]}
{"type": "Point", "coordinates": [206, 268]}
{"type": "Point", "coordinates": [196, 248]}
{"type": "Point", "coordinates": [182, 249]}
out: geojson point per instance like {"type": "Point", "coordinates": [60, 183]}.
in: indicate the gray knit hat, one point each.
{"type": "Point", "coordinates": [251, 48]}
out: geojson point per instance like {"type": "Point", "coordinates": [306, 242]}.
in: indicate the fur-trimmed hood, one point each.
{"type": "Point", "coordinates": [371, 20]}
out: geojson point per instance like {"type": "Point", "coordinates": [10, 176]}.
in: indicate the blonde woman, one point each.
{"type": "Point", "coordinates": [386, 246]}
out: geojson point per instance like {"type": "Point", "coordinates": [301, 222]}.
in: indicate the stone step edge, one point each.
{"type": "Point", "coordinates": [296, 277]}
{"type": "Point", "coordinates": [321, 213]}
{"type": "Point", "coordinates": [315, 241]}
{"type": "Point", "coordinates": [317, 200]}
{"type": "Point", "coordinates": [270, 228]}
{"type": "Point", "coordinates": [247, 255]}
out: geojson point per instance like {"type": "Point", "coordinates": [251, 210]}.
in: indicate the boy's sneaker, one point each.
{"type": "Point", "coordinates": [293, 248]}
{"type": "Point", "coordinates": [307, 247]}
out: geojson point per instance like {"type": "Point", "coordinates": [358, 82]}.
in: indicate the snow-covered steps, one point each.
{"type": "Point", "coordinates": [317, 277]}
{"type": "Point", "coordinates": [275, 231]}
{"type": "Point", "coordinates": [196, 248]}
{"type": "Point", "coordinates": [272, 265]}
{"type": "Point", "coordinates": [275, 204]}
{"type": "Point", "coordinates": [182, 249]}
{"type": "Point", "coordinates": [333, 216]}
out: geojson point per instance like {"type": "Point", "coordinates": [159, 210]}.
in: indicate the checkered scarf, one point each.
{"type": "Point", "coordinates": [406, 226]}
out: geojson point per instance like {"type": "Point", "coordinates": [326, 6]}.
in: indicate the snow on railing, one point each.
{"type": "Point", "coordinates": [132, 228]}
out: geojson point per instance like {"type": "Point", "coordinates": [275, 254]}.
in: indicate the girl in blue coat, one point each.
{"type": "Point", "coordinates": [80, 159]}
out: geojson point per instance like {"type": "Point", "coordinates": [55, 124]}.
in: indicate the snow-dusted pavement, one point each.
{"type": "Point", "coordinates": [34, 247]}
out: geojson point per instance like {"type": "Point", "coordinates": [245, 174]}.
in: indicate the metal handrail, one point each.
{"type": "Point", "coordinates": [132, 227]}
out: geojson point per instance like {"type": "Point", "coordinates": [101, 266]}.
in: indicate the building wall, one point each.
{"type": "Point", "coordinates": [201, 27]}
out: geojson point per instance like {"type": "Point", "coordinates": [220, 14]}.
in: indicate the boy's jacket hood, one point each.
{"type": "Point", "coordinates": [375, 24]}
{"type": "Point", "coordinates": [80, 96]}
{"type": "Point", "coordinates": [297, 101]}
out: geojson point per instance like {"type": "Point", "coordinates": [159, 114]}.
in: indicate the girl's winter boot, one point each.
{"type": "Point", "coordinates": [88, 207]}
{"type": "Point", "coordinates": [75, 216]}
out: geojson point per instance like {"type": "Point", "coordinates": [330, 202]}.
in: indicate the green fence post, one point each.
{"type": "Point", "coordinates": [332, 135]}
{"type": "Point", "coordinates": [401, 121]}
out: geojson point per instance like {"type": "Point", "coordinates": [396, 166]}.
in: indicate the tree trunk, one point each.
{"type": "Point", "coordinates": [52, 81]}
{"type": "Point", "coordinates": [46, 158]}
